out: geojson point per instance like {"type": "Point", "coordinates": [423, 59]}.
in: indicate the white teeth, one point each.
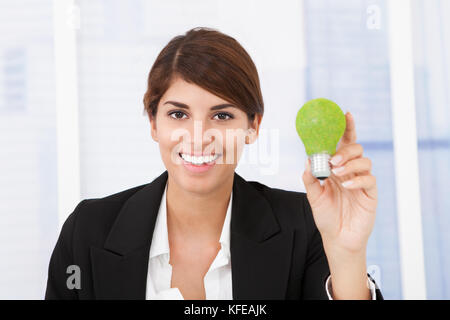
{"type": "Point", "coordinates": [199, 160]}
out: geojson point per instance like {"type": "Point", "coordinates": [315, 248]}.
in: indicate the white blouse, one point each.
{"type": "Point", "coordinates": [217, 281]}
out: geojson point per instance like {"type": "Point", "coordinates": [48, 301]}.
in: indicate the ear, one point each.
{"type": "Point", "coordinates": [253, 130]}
{"type": "Point", "coordinates": [152, 120]}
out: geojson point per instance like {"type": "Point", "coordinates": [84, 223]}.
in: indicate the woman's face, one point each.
{"type": "Point", "coordinates": [200, 135]}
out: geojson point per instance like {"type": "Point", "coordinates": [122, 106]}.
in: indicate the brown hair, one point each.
{"type": "Point", "coordinates": [212, 60]}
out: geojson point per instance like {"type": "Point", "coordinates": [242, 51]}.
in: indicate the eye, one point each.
{"type": "Point", "coordinates": [223, 115]}
{"type": "Point", "coordinates": [177, 114]}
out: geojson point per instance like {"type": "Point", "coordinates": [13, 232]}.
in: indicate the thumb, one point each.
{"type": "Point", "coordinates": [312, 184]}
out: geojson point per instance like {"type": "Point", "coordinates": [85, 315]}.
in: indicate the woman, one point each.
{"type": "Point", "coordinates": [201, 231]}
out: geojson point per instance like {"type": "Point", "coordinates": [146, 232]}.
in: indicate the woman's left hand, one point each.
{"type": "Point", "coordinates": [344, 214]}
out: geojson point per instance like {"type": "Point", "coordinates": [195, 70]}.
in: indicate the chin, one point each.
{"type": "Point", "coordinates": [197, 184]}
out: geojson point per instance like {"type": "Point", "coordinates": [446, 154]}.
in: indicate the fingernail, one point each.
{"type": "Point", "coordinates": [338, 170]}
{"type": "Point", "coordinates": [336, 159]}
{"type": "Point", "coordinates": [347, 183]}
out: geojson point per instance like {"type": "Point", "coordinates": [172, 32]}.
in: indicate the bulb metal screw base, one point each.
{"type": "Point", "coordinates": [320, 167]}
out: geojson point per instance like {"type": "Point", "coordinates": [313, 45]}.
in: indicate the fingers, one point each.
{"type": "Point", "coordinates": [368, 183]}
{"type": "Point", "coordinates": [346, 153]}
{"type": "Point", "coordinates": [312, 184]}
{"type": "Point", "coordinates": [350, 130]}
{"type": "Point", "coordinates": [356, 166]}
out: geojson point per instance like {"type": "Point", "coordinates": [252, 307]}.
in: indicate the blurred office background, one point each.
{"type": "Point", "coordinates": [72, 78]}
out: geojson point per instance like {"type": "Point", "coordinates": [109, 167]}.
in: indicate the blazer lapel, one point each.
{"type": "Point", "coordinates": [120, 267]}
{"type": "Point", "coordinates": [260, 252]}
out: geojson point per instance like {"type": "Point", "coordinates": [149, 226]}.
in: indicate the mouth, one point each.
{"type": "Point", "coordinates": [199, 160]}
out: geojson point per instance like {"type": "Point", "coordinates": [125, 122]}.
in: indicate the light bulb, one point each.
{"type": "Point", "coordinates": [320, 123]}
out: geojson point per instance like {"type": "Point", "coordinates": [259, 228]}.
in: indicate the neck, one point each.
{"type": "Point", "coordinates": [197, 217]}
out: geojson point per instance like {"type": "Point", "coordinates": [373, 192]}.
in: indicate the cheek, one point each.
{"type": "Point", "coordinates": [168, 137]}
{"type": "Point", "coordinates": [165, 130]}
{"type": "Point", "coordinates": [233, 143]}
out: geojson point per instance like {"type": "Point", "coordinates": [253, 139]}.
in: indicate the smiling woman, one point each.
{"type": "Point", "coordinates": [205, 80]}
{"type": "Point", "coordinates": [201, 231]}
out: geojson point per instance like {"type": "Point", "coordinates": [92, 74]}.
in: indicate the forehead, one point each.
{"type": "Point", "coordinates": [190, 94]}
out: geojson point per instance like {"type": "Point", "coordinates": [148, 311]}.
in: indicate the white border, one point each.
{"type": "Point", "coordinates": [405, 150]}
{"type": "Point", "coordinates": [68, 157]}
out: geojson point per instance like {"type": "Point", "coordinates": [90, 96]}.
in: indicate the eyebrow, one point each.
{"type": "Point", "coordinates": [185, 106]}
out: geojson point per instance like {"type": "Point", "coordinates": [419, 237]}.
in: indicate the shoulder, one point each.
{"type": "Point", "coordinates": [92, 218]}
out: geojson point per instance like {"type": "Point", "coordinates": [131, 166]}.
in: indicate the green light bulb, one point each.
{"type": "Point", "coordinates": [320, 123]}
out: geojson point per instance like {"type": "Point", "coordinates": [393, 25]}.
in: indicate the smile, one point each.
{"type": "Point", "coordinates": [199, 160]}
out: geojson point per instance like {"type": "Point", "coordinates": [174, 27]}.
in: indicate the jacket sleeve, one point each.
{"type": "Point", "coordinates": [61, 259]}
{"type": "Point", "coordinates": [316, 264]}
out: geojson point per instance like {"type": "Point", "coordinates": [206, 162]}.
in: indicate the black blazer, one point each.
{"type": "Point", "coordinates": [276, 249]}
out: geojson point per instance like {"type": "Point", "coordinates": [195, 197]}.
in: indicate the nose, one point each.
{"type": "Point", "coordinates": [202, 138]}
